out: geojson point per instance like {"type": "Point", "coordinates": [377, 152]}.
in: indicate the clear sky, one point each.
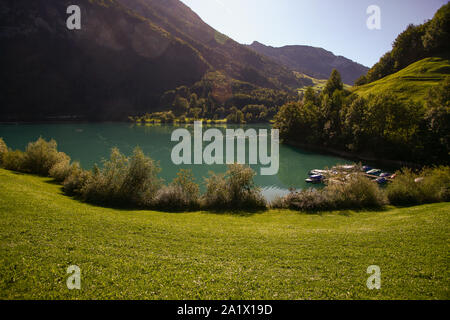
{"type": "Point", "coordinates": [336, 25]}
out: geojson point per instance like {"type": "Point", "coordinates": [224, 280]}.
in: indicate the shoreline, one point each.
{"type": "Point", "coordinates": [353, 156]}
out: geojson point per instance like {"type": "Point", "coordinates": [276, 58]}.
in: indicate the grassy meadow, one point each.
{"type": "Point", "coordinates": [412, 82]}
{"type": "Point", "coordinates": [278, 254]}
{"type": "Point", "coordinates": [318, 84]}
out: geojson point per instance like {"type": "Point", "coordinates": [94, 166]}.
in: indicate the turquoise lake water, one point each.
{"type": "Point", "coordinates": [89, 143]}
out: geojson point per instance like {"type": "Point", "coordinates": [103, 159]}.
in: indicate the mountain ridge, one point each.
{"type": "Point", "coordinates": [221, 51]}
{"type": "Point", "coordinates": [126, 57]}
{"type": "Point", "coordinates": [313, 61]}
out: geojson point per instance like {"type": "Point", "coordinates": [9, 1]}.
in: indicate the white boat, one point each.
{"type": "Point", "coordinates": [346, 167]}
{"type": "Point", "coordinates": [315, 172]}
{"type": "Point", "coordinates": [374, 172]}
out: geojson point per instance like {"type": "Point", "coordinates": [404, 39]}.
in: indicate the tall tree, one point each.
{"type": "Point", "coordinates": [334, 83]}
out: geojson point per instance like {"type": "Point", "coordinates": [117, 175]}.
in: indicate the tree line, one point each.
{"type": "Point", "coordinates": [381, 126]}
{"type": "Point", "coordinates": [218, 97]}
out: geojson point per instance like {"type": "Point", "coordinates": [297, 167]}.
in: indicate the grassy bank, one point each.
{"type": "Point", "coordinates": [278, 254]}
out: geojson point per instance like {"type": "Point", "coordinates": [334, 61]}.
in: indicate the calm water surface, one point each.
{"type": "Point", "coordinates": [89, 143]}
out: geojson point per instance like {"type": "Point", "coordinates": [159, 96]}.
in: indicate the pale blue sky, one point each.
{"type": "Point", "coordinates": [336, 25]}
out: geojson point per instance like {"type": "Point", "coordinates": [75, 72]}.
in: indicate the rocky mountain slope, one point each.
{"type": "Point", "coordinates": [312, 61]}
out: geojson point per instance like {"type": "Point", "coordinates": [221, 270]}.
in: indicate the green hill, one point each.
{"type": "Point", "coordinates": [279, 254]}
{"type": "Point", "coordinates": [412, 82]}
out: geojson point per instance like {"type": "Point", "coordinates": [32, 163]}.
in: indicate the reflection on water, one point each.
{"type": "Point", "coordinates": [89, 143]}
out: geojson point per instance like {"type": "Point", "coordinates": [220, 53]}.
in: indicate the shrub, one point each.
{"type": "Point", "coordinates": [61, 170]}
{"type": "Point", "coordinates": [186, 181]}
{"type": "Point", "coordinates": [234, 190]}
{"type": "Point", "coordinates": [141, 179]}
{"type": "Point", "coordinates": [403, 190]}
{"type": "Point", "coordinates": [123, 181]}
{"type": "Point", "coordinates": [216, 194]}
{"type": "Point", "coordinates": [104, 184]}
{"type": "Point", "coordinates": [309, 200]}
{"type": "Point", "coordinates": [41, 156]}
{"type": "Point", "coordinates": [435, 187]}
{"type": "Point", "coordinates": [173, 197]}
{"type": "Point", "coordinates": [13, 160]}
{"type": "Point", "coordinates": [278, 202]}
{"type": "Point", "coordinates": [357, 192]}
{"type": "Point", "coordinates": [181, 195]}
{"type": "Point", "coordinates": [3, 150]}
{"type": "Point", "coordinates": [429, 185]}
{"type": "Point", "coordinates": [76, 180]}
{"type": "Point", "coordinates": [306, 200]}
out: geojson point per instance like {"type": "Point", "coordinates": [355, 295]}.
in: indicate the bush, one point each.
{"type": "Point", "coordinates": [61, 170]}
{"type": "Point", "coordinates": [123, 181]}
{"type": "Point", "coordinates": [141, 179]}
{"type": "Point", "coordinates": [278, 202]}
{"type": "Point", "coordinates": [186, 181]}
{"type": "Point", "coordinates": [357, 192]}
{"type": "Point", "coordinates": [3, 150]}
{"type": "Point", "coordinates": [436, 184]}
{"type": "Point", "coordinates": [216, 195]}
{"type": "Point", "coordinates": [403, 190]}
{"type": "Point", "coordinates": [104, 185]}
{"type": "Point", "coordinates": [234, 190]}
{"type": "Point", "coordinates": [173, 197]}
{"type": "Point", "coordinates": [308, 200]}
{"type": "Point", "coordinates": [76, 180]}
{"type": "Point", "coordinates": [13, 160]}
{"type": "Point", "coordinates": [429, 185]}
{"type": "Point", "coordinates": [170, 198]}
{"type": "Point", "coordinates": [41, 156]}
{"type": "Point", "coordinates": [181, 195]}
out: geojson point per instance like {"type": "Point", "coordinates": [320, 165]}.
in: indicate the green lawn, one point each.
{"type": "Point", "coordinates": [412, 82]}
{"type": "Point", "coordinates": [272, 255]}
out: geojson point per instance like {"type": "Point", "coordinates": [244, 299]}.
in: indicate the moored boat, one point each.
{"type": "Point", "coordinates": [318, 172]}
{"type": "Point", "coordinates": [374, 172]}
{"type": "Point", "coordinates": [381, 180]}
{"type": "Point", "coordinates": [317, 178]}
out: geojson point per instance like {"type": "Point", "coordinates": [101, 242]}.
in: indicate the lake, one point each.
{"type": "Point", "coordinates": [89, 143]}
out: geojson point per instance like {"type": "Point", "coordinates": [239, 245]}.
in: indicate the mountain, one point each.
{"type": "Point", "coordinates": [220, 51]}
{"type": "Point", "coordinates": [116, 64]}
{"type": "Point", "coordinates": [312, 61]}
{"type": "Point", "coordinates": [127, 54]}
